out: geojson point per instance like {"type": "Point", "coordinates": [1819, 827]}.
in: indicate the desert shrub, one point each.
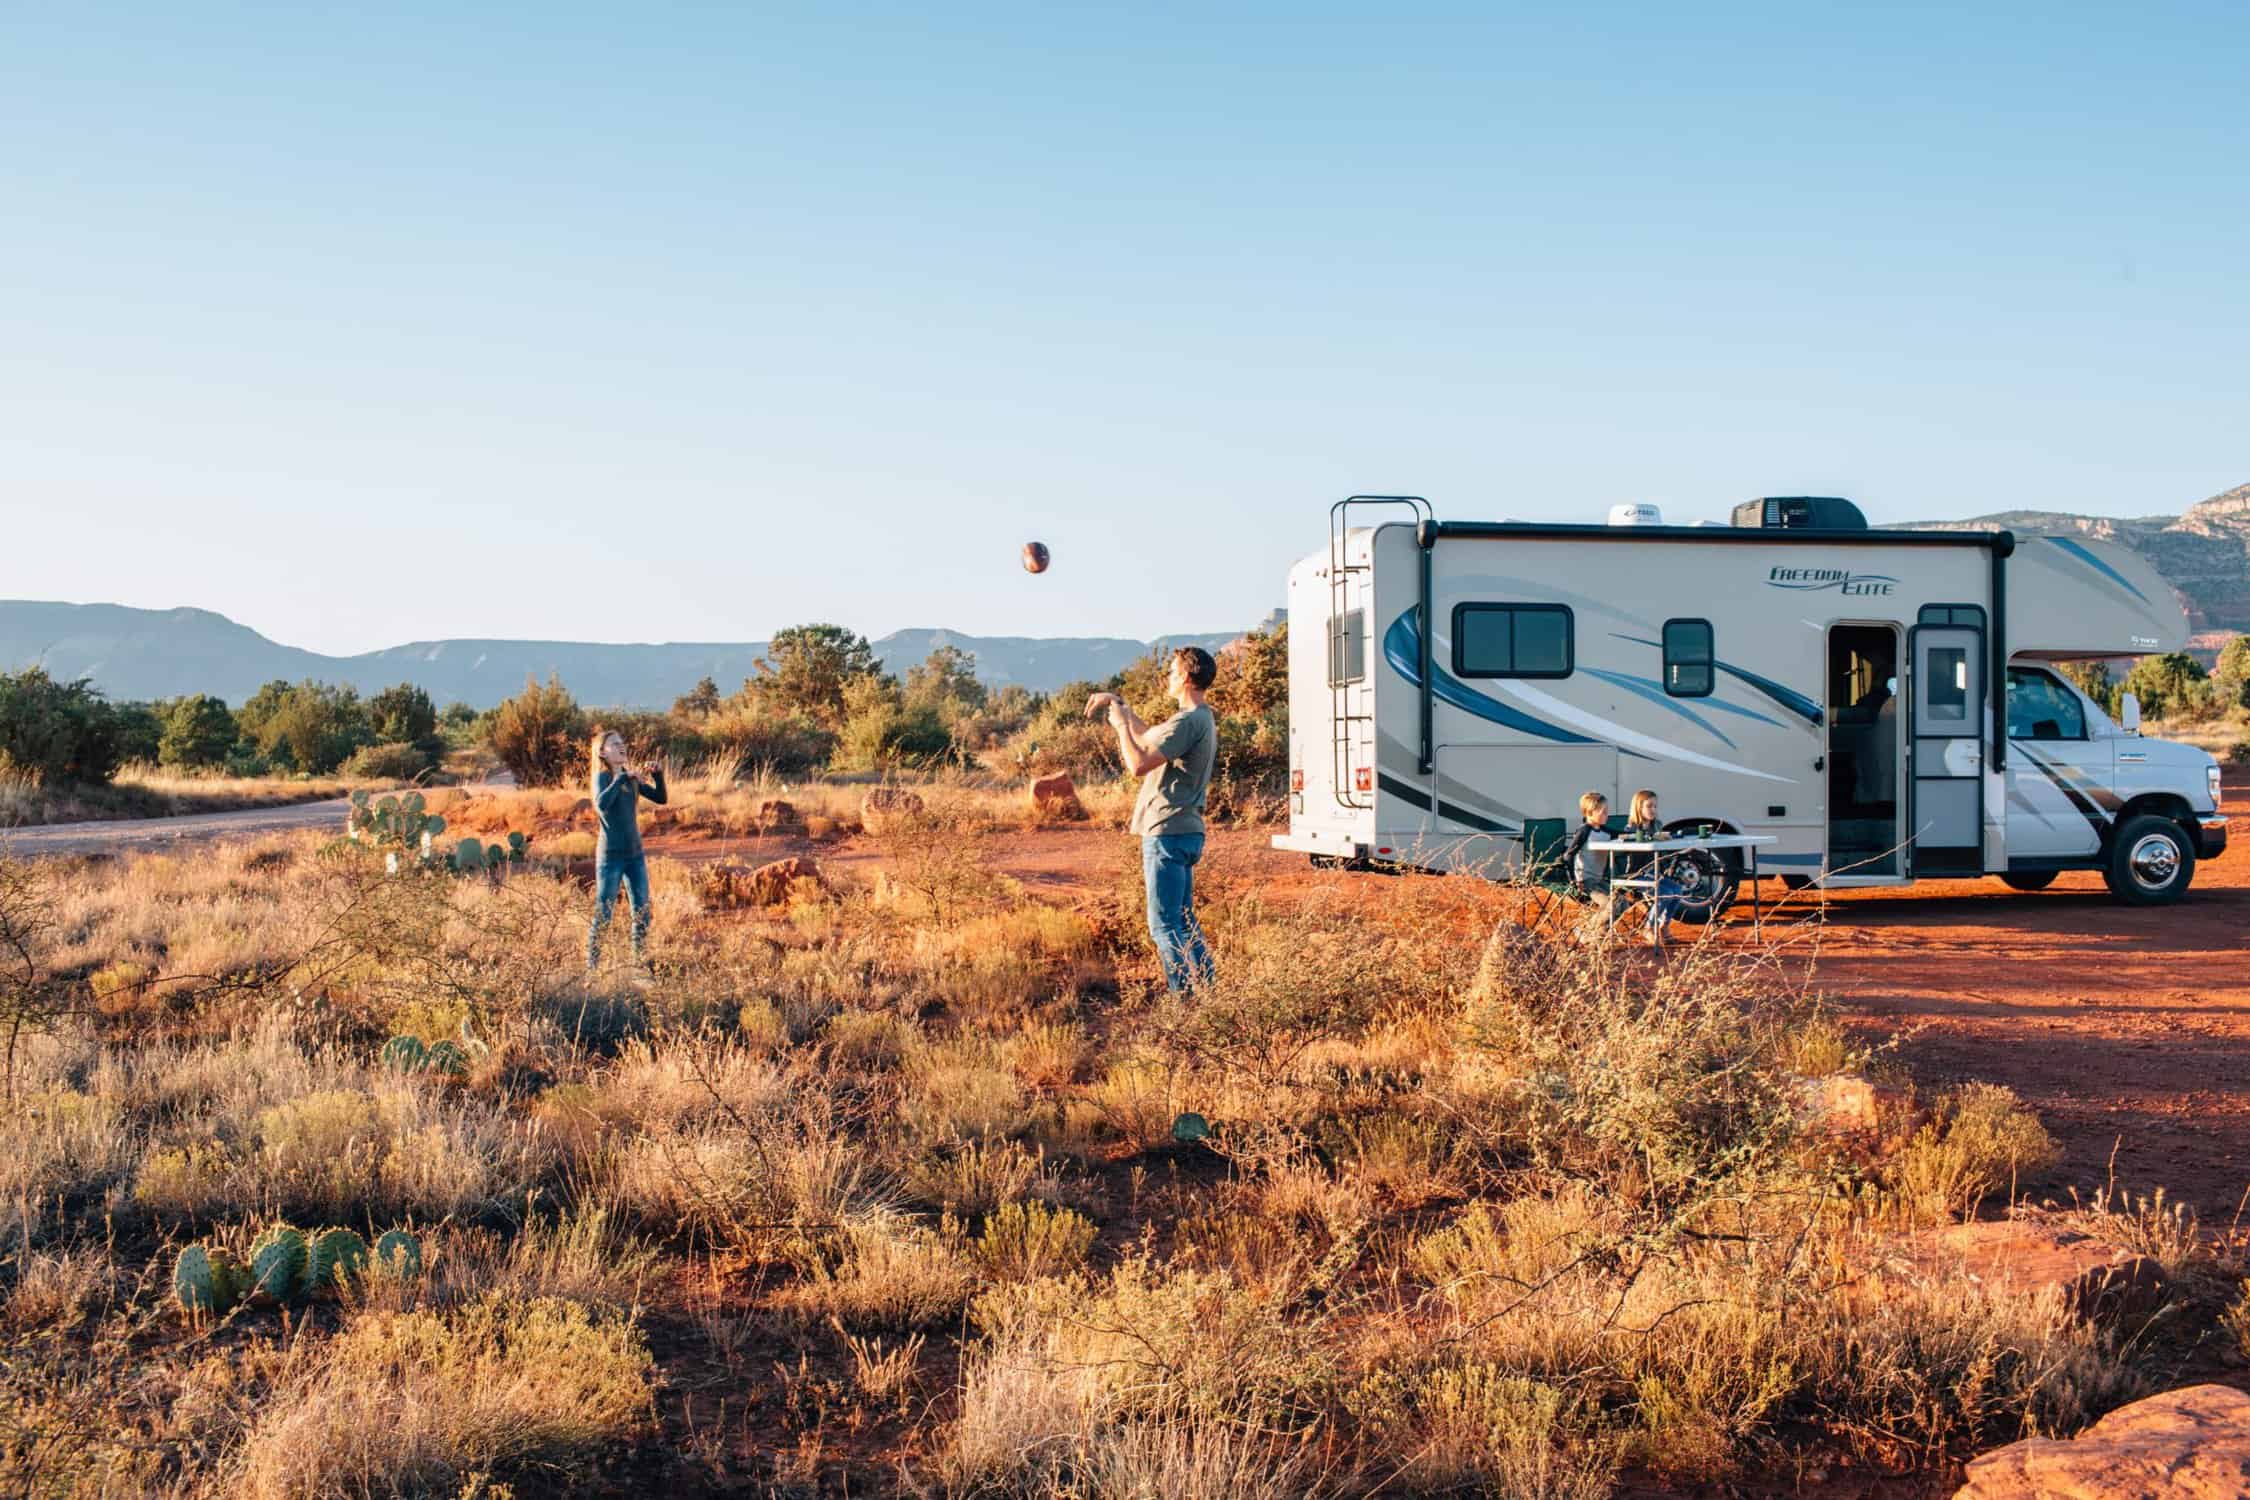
{"type": "Point", "coordinates": [882, 730]}
{"type": "Point", "coordinates": [1472, 1424]}
{"type": "Point", "coordinates": [60, 732]}
{"type": "Point", "coordinates": [977, 1177]}
{"type": "Point", "coordinates": [891, 1277]}
{"type": "Point", "coordinates": [806, 669]}
{"type": "Point", "coordinates": [418, 1402]}
{"type": "Point", "coordinates": [392, 762]}
{"type": "Point", "coordinates": [198, 731]}
{"type": "Point", "coordinates": [1022, 1241]}
{"type": "Point", "coordinates": [1982, 1140]}
{"type": "Point", "coordinates": [540, 735]}
{"type": "Point", "coordinates": [768, 742]}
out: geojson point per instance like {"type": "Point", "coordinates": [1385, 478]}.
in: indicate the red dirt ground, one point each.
{"type": "Point", "coordinates": [2128, 1029]}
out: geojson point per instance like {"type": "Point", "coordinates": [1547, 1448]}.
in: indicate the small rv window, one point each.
{"type": "Point", "coordinates": [1949, 684]}
{"type": "Point", "coordinates": [1511, 640]}
{"type": "Point", "coordinates": [1347, 647]}
{"type": "Point", "coordinates": [1687, 658]}
{"type": "Point", "coordinates": [1970, 615]}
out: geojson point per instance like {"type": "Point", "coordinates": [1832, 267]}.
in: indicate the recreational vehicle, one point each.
{"type": "Point", "coordinates": [1884, 705]}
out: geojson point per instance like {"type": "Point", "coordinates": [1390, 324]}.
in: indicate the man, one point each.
{"type": "Point", "coordinates": [1174, 762]}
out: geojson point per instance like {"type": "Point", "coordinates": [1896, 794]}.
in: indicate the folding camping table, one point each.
{"type": "Point", "coordinates": [1609, 846]}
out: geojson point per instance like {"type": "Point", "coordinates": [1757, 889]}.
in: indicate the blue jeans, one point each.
{"type": "Point", "coordinates": [1168, 870]}
{"type": "Point", "coordinates": [1668, 894]}
{"type": "Point", "coordinates": [632, 871]}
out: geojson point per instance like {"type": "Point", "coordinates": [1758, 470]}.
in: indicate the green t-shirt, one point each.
{"type": "Point", "coordinates": [1171, 799]}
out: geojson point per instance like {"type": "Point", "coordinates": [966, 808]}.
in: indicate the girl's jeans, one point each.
{"type": "Point", "coordinates": [632, 871]}
{"type": "Point", "coordinates": [1168, 870]}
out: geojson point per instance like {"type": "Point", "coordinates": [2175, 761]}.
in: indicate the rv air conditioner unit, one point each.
{"type": "Point", "coordinates": [1635, 515]}
{"type": "Point", "coordinates": [1800, 513]}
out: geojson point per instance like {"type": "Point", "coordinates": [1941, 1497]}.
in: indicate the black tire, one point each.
{"type": "Point", "coordinates": [2028, 880]}
{"type": "Point", "coordinates": [1710, 884]}
{"type": "Point", "coordinates": [2151, 861]}
{"type": "Point", "coordinates": [1796, 882]}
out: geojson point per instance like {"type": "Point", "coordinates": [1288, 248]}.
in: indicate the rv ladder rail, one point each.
{"type": "Point", "coordinates": [1343, 741]}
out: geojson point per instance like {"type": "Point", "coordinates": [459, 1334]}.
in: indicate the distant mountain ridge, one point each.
{"type": "Point", "coordinates": [2204, 552]}
{"type": "Point", "coordinates": [160, 653]}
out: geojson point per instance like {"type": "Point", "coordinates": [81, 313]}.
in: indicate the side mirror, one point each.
{"type": "Point", "coordinates": [2129, 713]}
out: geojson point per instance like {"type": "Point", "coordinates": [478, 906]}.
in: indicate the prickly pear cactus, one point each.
{"type": "Point", "coordinates": [201, 1282]}
{"type": "Point", "coordinates": [399, 1254]}
{"type": "Point", "coordinates": [468, 856]}
{"type": "Point", "coordinates": [518, 847]}
{"type": "Point", "coordinates": [406, 1054]}
{"type": "Point", "coordinates": [449, 1059]}
{"type": "Point", "coordinates": [278, 1262]}
{"type": "Point", "coordinates": [335, 1257]}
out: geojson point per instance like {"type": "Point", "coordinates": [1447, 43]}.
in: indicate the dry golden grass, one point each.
{"type": "Point", "coordinates": [1481, 1207]}
{"type": "Point", "coordinates": [146, 791]}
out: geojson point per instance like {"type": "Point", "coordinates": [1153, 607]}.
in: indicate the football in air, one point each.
{"type": "Point", "coordinates": [1035, 557]}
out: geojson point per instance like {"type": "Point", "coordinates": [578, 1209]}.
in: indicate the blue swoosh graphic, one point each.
{"type": "Point", "coordinates": [1654, 692]}
{"type": "Point", "coordinates": [1789, 698]}
{"type": "Point", "coordinates": [1402, 648]}
{"type": "Point", "coordinates": [2091, 561]}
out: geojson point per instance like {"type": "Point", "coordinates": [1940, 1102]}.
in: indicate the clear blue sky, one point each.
{"type": "Point", "coordinates": [644, 322]}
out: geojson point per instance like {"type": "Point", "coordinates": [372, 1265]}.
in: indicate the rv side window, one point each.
{"type": "Point", "coordinates": [2040, 708]}
{"type": "Point", "coordinates": [1687, 658]}
{"type": "Point", "coordinates": [1511, 640]}
{"type": "Point", "coordinates": [1949, 684]}
{"type": "Point", "coordinates": [1970, 615]}
{"type": "Point", "coordinates": [1347, 647]}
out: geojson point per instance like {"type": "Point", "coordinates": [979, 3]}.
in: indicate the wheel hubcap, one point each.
{"type": "Point", "coordinates": [2154, 861]}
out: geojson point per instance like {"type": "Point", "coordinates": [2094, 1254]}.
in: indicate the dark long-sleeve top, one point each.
{"type": "Point", "coordinates": [620, 811]}
{"type": "Point", "coordinates": [1589, 871]}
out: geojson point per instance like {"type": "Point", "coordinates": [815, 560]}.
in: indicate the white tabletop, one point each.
{"type": "Point", "coordinates": [1610, 845]}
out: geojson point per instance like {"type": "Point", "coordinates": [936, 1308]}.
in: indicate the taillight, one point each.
{"type": "Point", "coordinates": [1363, 779]}
{"type": "Point", "coordinates": [1296, 781]}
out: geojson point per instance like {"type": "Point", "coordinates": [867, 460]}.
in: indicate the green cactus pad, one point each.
{"type": "Point", "coordinates": [399, 1254]}
{"type": "Point", "coordinates": [406, 1054]}
{"type": "Point", "coordinates": [278, 1263]}
{"type": "Point", "coordinates": [200, 1282]}
{"type": "Point", "coordinates": [433, 827]}
{"type": "Point", "coordinates": [448, 1059]}
{"type": "Point", "coordinates": [468, 855]}
{"type": "Point", "coordinates": [336, 1256]}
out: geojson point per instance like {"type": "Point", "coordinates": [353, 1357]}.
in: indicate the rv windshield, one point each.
{"type": "Point", "coordinates": [2041, 708]}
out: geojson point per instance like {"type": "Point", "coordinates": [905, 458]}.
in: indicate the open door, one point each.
{"type": "Point", "coordinates": [1945, 815]}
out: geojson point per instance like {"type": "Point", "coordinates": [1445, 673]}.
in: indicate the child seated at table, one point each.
{"type": "Point", "coordinates": [1666, 905]}
{"type": "Point", "coordinates": [1589, 871]}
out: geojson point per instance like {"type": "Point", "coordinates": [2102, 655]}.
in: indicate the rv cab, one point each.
{"type": "Point", "coordinates": [1865, 707]}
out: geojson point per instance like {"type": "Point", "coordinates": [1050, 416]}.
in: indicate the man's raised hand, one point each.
{"type": "Point", "coordinates": [1100, 703]}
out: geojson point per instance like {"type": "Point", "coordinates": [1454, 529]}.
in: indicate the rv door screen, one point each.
{"type": "Point", "coordinates": [1948, 749]}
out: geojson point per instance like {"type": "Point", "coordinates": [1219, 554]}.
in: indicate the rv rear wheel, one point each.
{"type": "Point", "coordinates": [2151, 861]}
{"type": "Point", "coordinates": [1707, 884]}
{"type": "Point", "coordinates": [2028, 880]}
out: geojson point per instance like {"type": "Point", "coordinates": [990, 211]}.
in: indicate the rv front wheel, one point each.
{"type": "Point", "coordinates": [2150, 861]}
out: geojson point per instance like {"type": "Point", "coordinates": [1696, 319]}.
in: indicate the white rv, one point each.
{"type": "Point", "coordinates": [1884, 703]}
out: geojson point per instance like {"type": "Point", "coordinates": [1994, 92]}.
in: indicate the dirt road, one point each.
{"type": "Point", "coordinates": [163, 833]}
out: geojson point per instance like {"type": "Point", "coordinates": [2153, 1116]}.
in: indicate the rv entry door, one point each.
{"type": "Point", "coordinates": [1946, 750]}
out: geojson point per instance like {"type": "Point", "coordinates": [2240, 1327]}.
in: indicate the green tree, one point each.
{"type": "Point", "coordinates": [882, 730]}
{"type": "Point", "coordinates": [457, 715]}
{"type": "Point", "coordinates": [2232, 679]}
{"type": "Point", "coordinates": [2171, 686]}
{"type": "Point", "coordinates": [540, 735]}
{"type": "Point", "coordinates": [403, 712]}
{"type": "Point", "coordinates": [1253, 678]}
{"type": "Point", "coordinates": [138, 729]}
{"type": "Point", "coordinates": [312, 727]}
{"type": "Point", "coordinates": [699, 703]}
{"type": "Point", "coordinates": [946, 684]}
{"type": "Point", "coordinates": [806, 667]}
{"type": "Point", "coordinates": [59, 732]}
{"type": "Point", "coordinates": [198, 731]}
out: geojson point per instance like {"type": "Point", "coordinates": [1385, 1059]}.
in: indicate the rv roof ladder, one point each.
{"type": "Point", "coordinates": [1344, 726]}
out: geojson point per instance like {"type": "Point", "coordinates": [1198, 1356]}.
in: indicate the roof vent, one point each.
{"type": "Point", "coordinates": [1800, 513]}
{"type": "Point", "coordinates": [1635, 515]}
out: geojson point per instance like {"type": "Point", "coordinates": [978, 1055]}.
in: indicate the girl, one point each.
{"type": "Point", "coordinates": [617, 850]}
{"type": "Point", "coordinates": [1666, 905]}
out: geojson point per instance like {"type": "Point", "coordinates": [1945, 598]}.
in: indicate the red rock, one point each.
{"type": "Point", "coordinates": [1055, 798]}
{"type": "Point", "coordinates": [2189, 1444]}
{"type": "Point", "coordinates": [1856, 1113]}
{"type": "Point", "coordinates": [777, 816]}
{"type": "Point", "coordinates": [729, 887]}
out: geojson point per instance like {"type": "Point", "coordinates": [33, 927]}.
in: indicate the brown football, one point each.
{"type": "Point", "coordinates": [1035, 557]}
